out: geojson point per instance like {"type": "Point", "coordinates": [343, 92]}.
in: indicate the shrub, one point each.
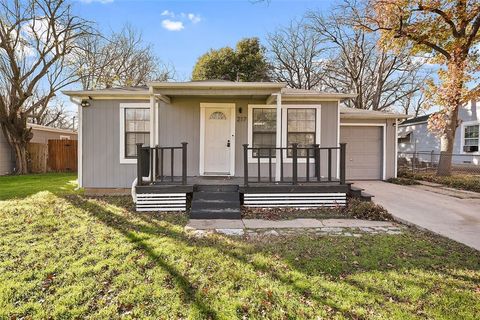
{"type": "Point", "coordinates": [403, 181]}
{"type": "Point", "coordinates": [367, 210]}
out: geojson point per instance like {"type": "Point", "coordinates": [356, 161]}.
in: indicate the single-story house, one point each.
{"type": "Point", "coordinates": [41, 134]}
{"type": "Point", "coordinates": [263, 138]}
{"type": "Point", "coordinates": [414, 137]}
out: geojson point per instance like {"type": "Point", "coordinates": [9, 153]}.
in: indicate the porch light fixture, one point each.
{"type": "Point", "coordinates": [85, 103]}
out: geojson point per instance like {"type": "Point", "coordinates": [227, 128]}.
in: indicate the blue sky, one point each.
{"type": "Point", "coordinates": [181, 31]}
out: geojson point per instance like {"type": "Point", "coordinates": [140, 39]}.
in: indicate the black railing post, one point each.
{"type": "Point", "coordinates": [270, 164]}
{"type": "Point", "coordinates": [295, 163]}
{"type": "Point", "coordinates": [343, 149]}
{"type": "Point", "coordinates": [245, 164]}
{"type": "Point", "coordinates": [184, 162]}
{"type": "Point", "coordinates": [139, 164]}
{"type": "Point", "coordinates": [156, 163]}
{"type": "Point", "coordinates": [329, 164]}
{"type": "Point", "coordinates": [172, 163]}
{"type": "Point", "coordinates": [151, 166]}
{"type": "Point", "coordinates": [308, 164]}
{"type": "Point", "coordinates": [316, 155]}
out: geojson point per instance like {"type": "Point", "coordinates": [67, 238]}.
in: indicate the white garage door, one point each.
{"type": "Point", "coordinates": [364, 151]}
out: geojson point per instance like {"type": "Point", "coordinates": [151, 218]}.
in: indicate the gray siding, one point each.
{"type": "Point", "coordinates": [101, 147]}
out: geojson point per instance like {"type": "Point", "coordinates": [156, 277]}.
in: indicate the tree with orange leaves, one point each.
{"type": "Point", "coordinates": [445, 31]}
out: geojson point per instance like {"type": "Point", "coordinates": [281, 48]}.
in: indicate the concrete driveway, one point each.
{"type": "Point", "coordinates": [453, 214]}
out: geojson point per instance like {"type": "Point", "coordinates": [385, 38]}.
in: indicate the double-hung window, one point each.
{"type": "Point", "coordinates": [264, 131]}
{"type": "Point", "coordinates": [137, 130]}
{"type": "Point", "coordinates": [301, 128]}
{"type": "Point", "coordinates": [470, 138]}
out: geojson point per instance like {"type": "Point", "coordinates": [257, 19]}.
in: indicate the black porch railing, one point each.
{"type": "Point", "coordinates": [312, 155]}
{"type": "Point", "coordinates": [156, 158]}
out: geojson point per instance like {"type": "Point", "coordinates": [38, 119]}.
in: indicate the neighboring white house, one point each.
{"type": "Point", "coordinates": [414, 137]}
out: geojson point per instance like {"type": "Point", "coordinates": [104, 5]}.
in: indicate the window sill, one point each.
{"type": "Point", "coordinates": [128, 161]}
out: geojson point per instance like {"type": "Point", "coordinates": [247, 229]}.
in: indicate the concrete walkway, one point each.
{"type": "Point", "coordinates": [260, 227]}
{"type": "Point", "coordinates": [451, 213]}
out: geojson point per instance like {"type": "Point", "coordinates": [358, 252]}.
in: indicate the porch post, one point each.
{"type": "Point", "coordinates": [153, 126]}
{"type": "Point", "coordinates": [278, 142]}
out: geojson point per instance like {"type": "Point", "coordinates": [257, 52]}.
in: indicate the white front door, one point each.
{"type": "Point", "coordinates": [218, 135]}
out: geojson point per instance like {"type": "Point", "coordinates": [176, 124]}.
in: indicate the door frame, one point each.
{"type": "Point", "coordinates": [203, 107]}
{"type": "Point", "coordinates": [384, 142]}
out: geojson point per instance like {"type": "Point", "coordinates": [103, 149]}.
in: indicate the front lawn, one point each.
{"type": "Point", "coordinates": [462, 181]}
{"type": "Point", "coordinates": [66, 256]}
{"type": "Point", "coordinates": [21, 186]}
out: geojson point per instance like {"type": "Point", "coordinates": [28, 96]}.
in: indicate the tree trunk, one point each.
{"type": "Point", "coordinates": [453, 89]}
{"type": "Point", "coordinates": [18, 138]}
{"type": "Point", "coordinates": [21, 158]}
{"type": "Point", "coordinates": [446, 150]}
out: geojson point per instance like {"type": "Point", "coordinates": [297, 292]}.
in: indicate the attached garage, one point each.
{"type": "Point", "coordinates": [364, 151]}
{"type": "Point", "coordinates": [371, 138]}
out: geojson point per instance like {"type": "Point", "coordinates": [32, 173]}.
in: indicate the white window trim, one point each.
{"type": "Point", "coordinates": [462, 137]}
{"type": "Point", "coordinates": [122, 108]}
{"type": "Point", "coordinates": [384, 143]}
{"type": "Point", "coordinates": [64, 137]}
{"type": "Point", "coordinates": [283, 128]}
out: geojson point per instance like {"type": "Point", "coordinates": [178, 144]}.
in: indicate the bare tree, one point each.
{"type": "Point", "coordinates": [52, 114]}
{"type": "Point", "coordinates": [122, 59]}
{"type": "Point", "coordinates": [296, 55]}
{"type": "Point", "coordinates": [383, 79]}
{"type": "Point", "coordinates": [36, 38]}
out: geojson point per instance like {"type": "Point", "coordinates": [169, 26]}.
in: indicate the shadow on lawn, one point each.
{"type": "Point", "coordinates": [151, 224]}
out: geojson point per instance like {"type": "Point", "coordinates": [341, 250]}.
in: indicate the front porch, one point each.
{"type": "Point", "coordinates": [303, 182]}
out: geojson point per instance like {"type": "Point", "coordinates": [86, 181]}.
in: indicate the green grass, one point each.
{"type": "Point", "coordinates": [466, 182]}
{"type": "Point", "coordinates": [26, 185]}
{"type": "Point", "coordinates": [67, 256]}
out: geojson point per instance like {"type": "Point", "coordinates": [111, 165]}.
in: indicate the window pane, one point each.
{"type": "Point", "coordinates": [301, 120]}
{"type": "Point", "coordinates": [471, 142]}
{"type": "Point", "coordinates": [129, 114]}
{"type": "Point", "coordinates": [137, 125]}
{"type": "Point", "coordinates": [262, 140]}
{"type": "Point", "coordinates": [264, 120]}
{"type": "Point", "coordinates": [471, 131]}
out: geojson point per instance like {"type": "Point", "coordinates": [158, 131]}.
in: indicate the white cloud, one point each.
{"type": "Point", "coordinates": [172, 25]}
{"type": "Point", "coordinates": [168, 13]}
{"type": "Point", "coordinates": [195, 18]}
{"type": "Point", "coordinates": [177, 20]}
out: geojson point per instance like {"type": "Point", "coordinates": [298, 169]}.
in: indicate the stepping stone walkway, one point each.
{"type": "Point", "coordinates": [253, 228]}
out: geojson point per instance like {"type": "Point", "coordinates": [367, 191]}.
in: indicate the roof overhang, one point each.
{"type": "Point", "coordinates": [50, 129]}
{"type": "Point", "coordinates": [108, 94]}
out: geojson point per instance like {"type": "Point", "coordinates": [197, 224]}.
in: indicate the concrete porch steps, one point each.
{"type": "Point", "coordinates": [216, 202]}
{"type": "Point", "coordinates": [359, 193]}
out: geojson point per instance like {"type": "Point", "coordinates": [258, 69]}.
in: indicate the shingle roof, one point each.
{"type": "Point", "coordinates": [346, 112]}
{"type": "Point", "coordinates": [416, 120]}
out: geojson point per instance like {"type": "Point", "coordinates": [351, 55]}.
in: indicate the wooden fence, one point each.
{"type": "Point", "coordinates": [37, 157]}
{"type": "Point", "coordinates": [57, 156]}
{"type": "Point", "coordinates": [62, 155]}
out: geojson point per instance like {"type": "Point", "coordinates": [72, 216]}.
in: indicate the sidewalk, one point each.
{"type": "Point", "coordinates": [252, 227]}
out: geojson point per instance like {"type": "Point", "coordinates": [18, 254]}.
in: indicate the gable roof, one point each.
{"type": "Point", "coordinates": [416, 120]}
